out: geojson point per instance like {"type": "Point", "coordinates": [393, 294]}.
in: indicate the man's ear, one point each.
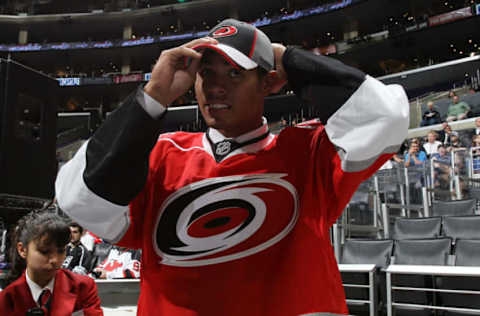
{"type": "Point", "coordinates": [22, 250]}
{"type": "Point", "coordinates": [273, 83]}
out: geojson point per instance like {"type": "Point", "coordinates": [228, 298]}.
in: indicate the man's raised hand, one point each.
{"type": "Point", "coordinates": [170, 77]}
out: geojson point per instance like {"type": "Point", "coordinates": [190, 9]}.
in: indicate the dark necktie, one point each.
{"type": "Point", "coordinates": [44, 299]}
{"type": "Point", "coordinates": [223, 148]}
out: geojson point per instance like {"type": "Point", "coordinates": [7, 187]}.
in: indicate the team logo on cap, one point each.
{"type": "Point", "coordinates": [225, 31]}
{"type": "Point", "coordinates": [223, 219]}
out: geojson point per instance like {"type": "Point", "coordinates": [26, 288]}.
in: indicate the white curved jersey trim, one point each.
{"type": "Point", "coordinates": [373, 121]}
{"type": "Point", "coordinates": [109, 221]}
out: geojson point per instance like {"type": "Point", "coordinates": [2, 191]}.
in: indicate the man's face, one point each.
{"type": "Point", "coordinates": [230, 99]}
{"type": "Point", "coordinates": [431, 137]}
{"type": "Point", "coordinates": [430, 106]}
{"type": "Point", "coordinates": [477, 122]}
{"type": "Point", "coordinates": [76, 235]}
{"type": "Point", "coordinates": [415, 147]}
{"type": "Point", "coordinates": [455, 99]}
{"type": "Point", "coordinates": [441, 151]}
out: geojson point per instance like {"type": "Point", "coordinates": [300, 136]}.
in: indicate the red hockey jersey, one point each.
{"type": "Point", "coordinates": [250, 232]}
{"type": "Point", "coordinates": [247, 234]}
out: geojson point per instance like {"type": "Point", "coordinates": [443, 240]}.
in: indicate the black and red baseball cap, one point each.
{"type": "Point", "coordinates": [242, 45]}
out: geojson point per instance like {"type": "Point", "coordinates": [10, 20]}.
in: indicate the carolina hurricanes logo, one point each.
{"type": "Point", "coordinates": [223, 219]}
{"type": "Point", "coordinates": [225, 31]}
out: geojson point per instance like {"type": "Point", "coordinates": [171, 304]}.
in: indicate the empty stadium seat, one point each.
{"type": "Point", "coordinates": [417, 228]}
{"type": "Point", "coordinates": [372, 251]}
{"type": "Point", "coordinates": [466, 227]}
{"type": "Point", "coordinates": [418, 252]}
{"type": "Point", "coordinates": [422, 251]}
{"type": "Point", "coordinates": [473, 100]}
{"type": "Point", "coordinates": [377, 251]}
{"type": "Point", "coordinates": [467, 253]}
{"type": "Point", "coordinates": [454, 208]}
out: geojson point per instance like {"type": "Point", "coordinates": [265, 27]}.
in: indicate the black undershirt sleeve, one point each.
{"type": "Point", "coordinates": [117, 154]}
{"type": "Point", "coordinates": [321, 81]}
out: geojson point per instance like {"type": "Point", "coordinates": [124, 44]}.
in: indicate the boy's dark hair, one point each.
{"type": "Point", "coordinates": [261, 72]}
{"type": "Point", "coordinates": [36, 225]}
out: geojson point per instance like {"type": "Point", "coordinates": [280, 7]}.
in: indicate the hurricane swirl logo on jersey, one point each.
{"type": "Point", "coordinates": [222, 219]}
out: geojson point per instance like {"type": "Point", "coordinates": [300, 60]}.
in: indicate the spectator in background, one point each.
{"type": "Point", "coordinates": [431, 116]}
{"type": "Point", "coordinates": [476, 154]}
{"type": "Point", "coordinates": [442, 164]}
{"type": "Point", "coordinates": [432, 143]}
{"type": "Point", "coordinates": [457, 110]}
{"type": "Point", "coordinates": [447, 134]}
{"type": "Point", "coordinates": [414, 156]}
{"type": "Point", "coordinates": [476, 143]}
{"type": "Point", "coordinates": [40, 286]}
{"type": "Point", "coordinates": [78, 258]}
{"type": "Point", "coordinates": [121, 263]}
{"type": "Point", "coordinates": [442, 156]}
{"type": "Point", "coordinates": [455, 142]}
{"type": "Point", "coordinates": [470, 133]}
{"type": "Point", "coordinates": [477, 126]}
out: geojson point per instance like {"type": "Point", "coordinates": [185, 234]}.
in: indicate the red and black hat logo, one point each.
{"type": "Point", "coordinates": [225, 31]}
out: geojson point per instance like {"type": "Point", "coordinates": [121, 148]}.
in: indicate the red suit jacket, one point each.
{"type": "Point", "coordinates": [72, 292]}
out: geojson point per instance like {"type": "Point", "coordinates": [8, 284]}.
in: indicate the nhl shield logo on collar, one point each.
{"type": "Point", "coordinates": [223, 148]}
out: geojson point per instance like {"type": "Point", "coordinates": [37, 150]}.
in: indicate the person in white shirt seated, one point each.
{"type": "Point", "coordinates": [431, 146]}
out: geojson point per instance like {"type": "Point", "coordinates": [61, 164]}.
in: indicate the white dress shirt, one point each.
{"type": "Point", "coordinates": [431, 148]}
{"type": "Point", "coordinates": [36, 290]}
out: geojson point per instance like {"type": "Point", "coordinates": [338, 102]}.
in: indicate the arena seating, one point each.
{"type": "Point", "coordinates": [433, 251]}
{"type": "Point", "coordinates": [466, 253]}
{"type": "Point", "coordinates": [454, 208]}
{"type": "Point", "coordinates": [418, 252]}
{"type": "Point", "coordinates": [416, 228]}
{"type": "Point", "coordinates": [442, 105]}
{"type": "Point", "coordinates": [461, 227]}
{"type": "Point", "coordinates": [376, 252]}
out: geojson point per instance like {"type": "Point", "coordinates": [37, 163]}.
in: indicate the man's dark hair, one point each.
{"type": "Point", "coordinates": [75, 224]}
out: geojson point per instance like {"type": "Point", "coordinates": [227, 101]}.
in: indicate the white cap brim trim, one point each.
{"type": "Point", "coordinates": [232, 55]}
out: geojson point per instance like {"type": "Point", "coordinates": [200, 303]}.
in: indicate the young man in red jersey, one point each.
{"type": "Point", "coordinates": [235, 221]}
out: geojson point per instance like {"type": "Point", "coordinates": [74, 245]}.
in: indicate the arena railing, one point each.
{"type": "Point", "coordinates": [370, 270]}
{"type": "Point", "coordinates": [429, 270]}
